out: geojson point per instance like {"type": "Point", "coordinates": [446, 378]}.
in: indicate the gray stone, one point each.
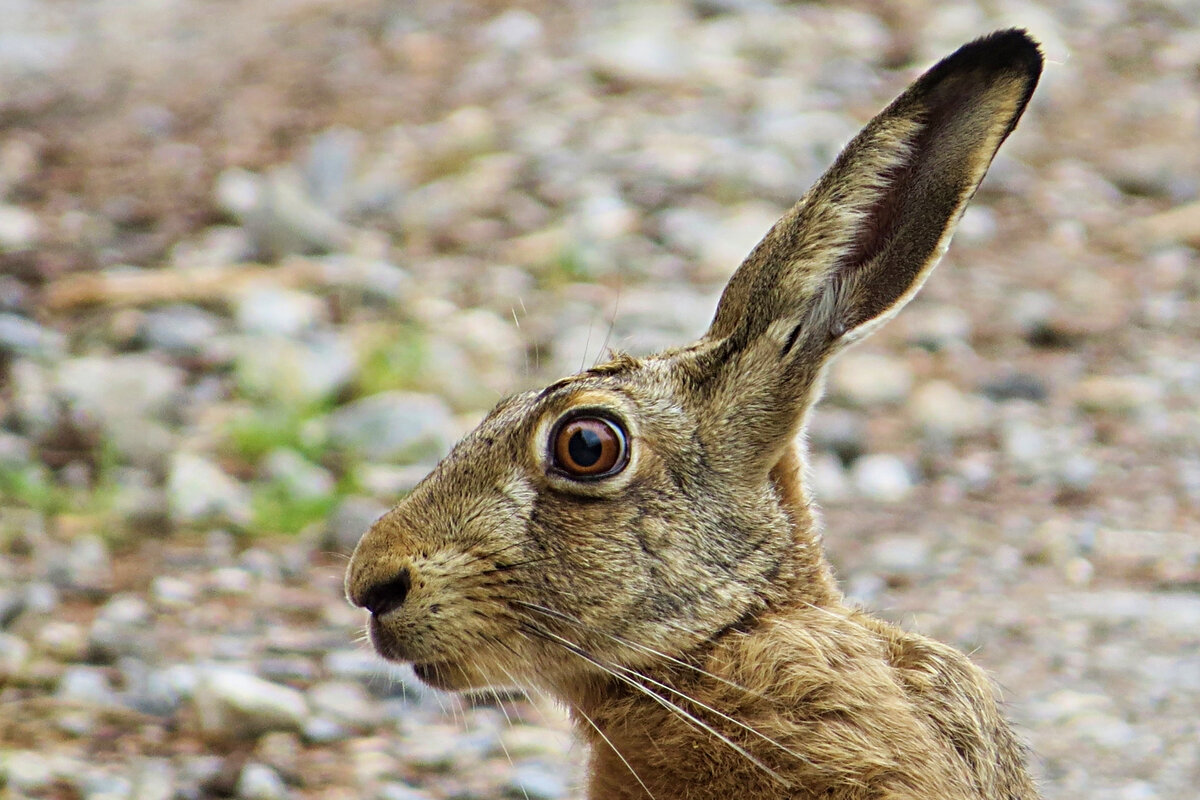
{"type": "Point", "coordinates": [41, 597]}
{"type": "Point", "coordinates": [85, 567]}
{"type": "Point", "coordinates": [902, 555]}
{"type": "Point", "coordinates": [400, 791]}
{"type": "Point", "coordinates": [33, 396]}
{"type": "Point", "coordinates": [1016, 386]}
{"type": "Point", "coordinates": [237, 704]}
{"type": "Point", "coordinates": [943, 412]}
{"type": "Point", "coordinates": [393, 426]}
{"type": "Point", "coordinates": [537, 781]}
{"type": "Point", "coordinates": [279, 213]}
{"type": "Point", "coordinates": [1026, 446]}
{"type": "Point", "coordinates": [434, 748]}
{"type": "Point", "coordinates": [99, 784]}
{"type": "Point", "coordinates": [514, 30]}
{"type": "Point", "coordinates": [294, 372]}
{"type": "Point", "coordinates": [232, 580]}
{"type": "Point", "coordinates": [329, 168]}
{"type": "Point", "coordinates": [217, 246]}
{"type": "Point", "coordinates": [372, 277]}
{"type": "Point", "coordinates": [147, 690]}
{"type": "Point", "coordinates": [154, 780]}
{"type": "Point", "coordinates": [14, 653]}
{"type": "Point", "coordinates": [129, 397]}
{"type": "Point", "coordinates": [349, 521]}
{"type": "Point", "coordinates": [19, 229]}
{"type": "Point", "coordinates": [119, 629]}
{"type": "Point", "coordinates": [323, 730]}
{"type": "Point", "coordinates": [716, 236]}
{"type": "Point", "coordinates": [26, 771]}
{"type": "Point", "coordinates": [66, 641]}
{"type": "Point", "coordinates": [173, 592]}
{"type": "Point", "coordinates": [865, 588]}
{"type": "Point", "coordinates": [301, 478]}
{"type": "Point", "coordinates": [344, 702]}
{"type": "Point", "coordinates": [391, 480]}
{"type": "Point", "coordinates": [199, 771]}
{"type": "Point", "coordinates": [180, 329]}
{"type": "Point", "coordinates": [127, 387]}
{"type": "Point", "coordinates": [138, 499]}
{"type": "Point", "coordinates": [827, 479]}
{"type": "Point", "coordinates": [866, 379]}
{"type": "Point", "coordinates": [938, 326]}
{"type": "Point", "coordinates": [262, 563]}
{"type": "Point", "coordinates": [643, 48]}
{"type": "Point", "coordinates": [198, 490]}
{"type": "Point", "coordinates": [1076, 472]}
{"type": "Point", "coordinates": [87, 685]}
{"type": "Point", "coordinates": [24, 337]}
{"type": "Point", "coordinates": [357, 665]}
{"type": "Point", "coordinates": [1119, 395]}
{"type": "Point", "coordinates": [882, 477]}
{"type": "Point", "coordinates": [260, 782]}
{"type": "Point", "coordinates": [15, 451]}
{"type": "Point", "coordinates": [270, 310]}
{"type": "Point", "coordinates": [839, 431]}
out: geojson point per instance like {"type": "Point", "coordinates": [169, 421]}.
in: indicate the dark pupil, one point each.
{"type": "Point", "coordinates": [585, 447]}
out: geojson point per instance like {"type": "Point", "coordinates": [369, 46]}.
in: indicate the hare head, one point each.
{"type": "Point", "coordinates": [648, 507]}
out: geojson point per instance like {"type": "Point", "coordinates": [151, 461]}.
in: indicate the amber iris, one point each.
{"type": "Point", "coordinates": [589, 447]}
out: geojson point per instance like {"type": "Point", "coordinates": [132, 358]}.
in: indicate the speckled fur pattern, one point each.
{"type": "Point", "coordinates": [682, 608]}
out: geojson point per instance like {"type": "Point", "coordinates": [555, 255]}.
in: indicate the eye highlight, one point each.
{"type": "Point", "coordinates": [586, 447]}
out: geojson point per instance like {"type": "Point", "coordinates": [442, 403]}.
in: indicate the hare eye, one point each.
{"type": "Point", "coordinates": [589, 447]}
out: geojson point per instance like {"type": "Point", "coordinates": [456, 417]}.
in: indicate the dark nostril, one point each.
{"type": "Point", "coordinates": [388, 596]}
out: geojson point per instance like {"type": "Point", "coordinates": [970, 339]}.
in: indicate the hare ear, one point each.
{"type": "Point", "coordinates": [861, 242]}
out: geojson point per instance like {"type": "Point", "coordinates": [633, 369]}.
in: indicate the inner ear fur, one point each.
{"type": "Point", "coordinates": [854, 250]}
{"type": "Point", "coordinates": [861, 242]}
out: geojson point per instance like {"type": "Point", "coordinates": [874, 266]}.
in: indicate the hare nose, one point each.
{"type": "Point", "coordinates": [388, 595]}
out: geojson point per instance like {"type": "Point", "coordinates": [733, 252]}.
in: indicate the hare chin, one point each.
{"type": "Point", "coordinates": [442, 675]}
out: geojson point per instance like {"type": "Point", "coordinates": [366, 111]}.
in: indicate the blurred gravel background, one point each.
{"type": "Point", "coordinates": [261, 263]}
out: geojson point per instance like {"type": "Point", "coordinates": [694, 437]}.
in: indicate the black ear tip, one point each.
{"type": "Point", "coordinates": [1000, 51]}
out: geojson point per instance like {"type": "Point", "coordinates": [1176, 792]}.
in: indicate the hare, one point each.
{"type": "Point", "coordinates": [637, 540]}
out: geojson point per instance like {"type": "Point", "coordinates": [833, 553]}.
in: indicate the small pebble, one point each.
{"type": "Point", "coordinates": [865, 379]}
{"type": "Point", "coordinates": [233, 703]}
{"type": "Point", "coordinates": [881, 477]}
{"type": "Point", "coordinates": [260, 782]}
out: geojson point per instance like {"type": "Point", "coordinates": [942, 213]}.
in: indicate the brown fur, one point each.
{"type": "Point", "coordinates": [682, 607]}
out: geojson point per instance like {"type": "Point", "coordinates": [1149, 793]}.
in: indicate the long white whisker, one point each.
{"type": "Point", "coordinates": [644, 648]}
{"type": "Point", "coordinates": [612, 323]}
{"type": "Point", "coordinates": [720, 714]}
{"type": "Point", "coordinates": [665, 703]}
{"type": "Point", "coordinates": [586, 345]}
{"type": "Point", "coordinates": [616, 752]}
{"type": "Point", "coordinates": [508, 719]}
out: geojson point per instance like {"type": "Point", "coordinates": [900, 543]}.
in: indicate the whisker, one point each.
{"type": "Point", "coordinates": [612, 323]}
{"type": "Point", "coordinates": [571, 647]}
{"type": "Point", "coordinates": [508, 719]}
{"type": "Point", "coordinates": [616, 752]}
{"type": "Point", "coordinates": [721, 714]}
{"type": "Point", "coordinates": [644, 648]}
{"type": "Point", "coordinates": [484, 556]}
{"type": "Point", "coordinates": [509, 567]}
{"type": "Point", "coordinates": [671, 689]}
{"type": "Point", "coordinates": [587, 344]}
